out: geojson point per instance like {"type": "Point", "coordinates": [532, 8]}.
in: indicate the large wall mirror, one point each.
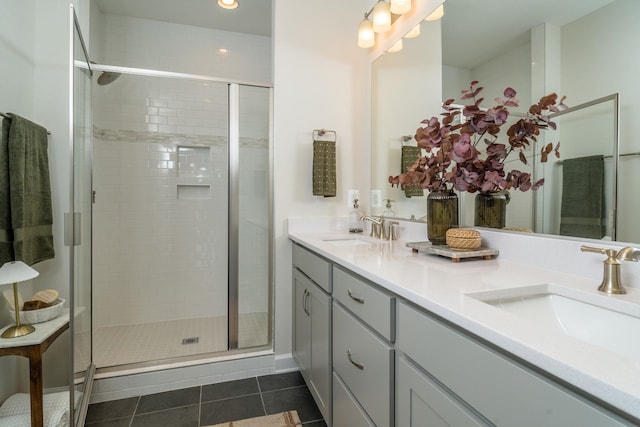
{"type": "Point", "coordinates": [578, 48]}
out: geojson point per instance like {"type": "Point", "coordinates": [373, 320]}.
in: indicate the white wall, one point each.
{"type": "Point", "coordinates": [17, 70]}
{"type": "Point", "coordinates": [616, 70]}
{"type": "Point", "coordinates": [321, 80]}
{"type": "Point", "coordinates": [143, 43]}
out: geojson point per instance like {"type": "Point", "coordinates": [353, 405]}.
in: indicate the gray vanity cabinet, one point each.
{"type": "Point", "coordinates": [372, 359]}
{"type": "Point", "coordinates": [312, 325]}
{"type": "Point", "coordinates": [478, 384]}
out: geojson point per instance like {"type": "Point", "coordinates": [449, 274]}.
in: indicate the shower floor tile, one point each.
{"type": "Point", "coordinates": [125, 344]}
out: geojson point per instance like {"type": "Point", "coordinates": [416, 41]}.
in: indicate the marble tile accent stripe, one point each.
{"type": "Point", "coordinates": [172, 138]}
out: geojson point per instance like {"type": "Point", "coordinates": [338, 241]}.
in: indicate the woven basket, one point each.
{"type": "Point", "coordinates": [463, 238]}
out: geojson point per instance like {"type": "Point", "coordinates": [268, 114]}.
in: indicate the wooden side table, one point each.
{"type": "Point", "coordinates": [32, 347]}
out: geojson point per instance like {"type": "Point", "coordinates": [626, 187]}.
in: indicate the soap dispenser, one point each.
{"type": "Point", "coordinates": [388, 213]}
{"type": "Point", "coordinates": [355, 223]}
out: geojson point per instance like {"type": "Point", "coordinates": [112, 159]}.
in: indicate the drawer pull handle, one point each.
{"type": "Point", "coordinates": [354, 363]}
{"type": "Point", "coordinates": [305, 302]}
{"type": "Point", "coordinates": [360, 300]}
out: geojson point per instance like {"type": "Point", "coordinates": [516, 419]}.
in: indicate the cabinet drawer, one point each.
{"type": "Point", "coordinates": [365, 364]}
{"type": "Point", "coordinates": [500, 389]}
{"type": "Point", "coordinates": [373, 306]}
{"type": "Point", "coordinates": [346, 411]}
{"type": "Point", "coordinates": [313, 266]}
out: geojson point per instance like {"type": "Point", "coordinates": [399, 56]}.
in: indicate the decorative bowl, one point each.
{"type": "Point", "coordinates": [38, 316]}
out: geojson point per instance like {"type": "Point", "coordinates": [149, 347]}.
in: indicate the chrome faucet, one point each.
{"type": "Point", "coordinates": [376, 225]}
{"type": "Point", "coordinates": [611, 283]}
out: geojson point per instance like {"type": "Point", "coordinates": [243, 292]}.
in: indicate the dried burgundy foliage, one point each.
{"type": "Point", "coordinates": [464, 152]}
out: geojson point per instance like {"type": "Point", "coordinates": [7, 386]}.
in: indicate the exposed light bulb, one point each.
{"type": "Point", "coordinates": [415, 32]}
{"type": "Point", "coordinates": [228, 4]}
{"type": "Point", "coordinates": [436, 14]}
{"type": "Point", "coordinates": [381, 17]}
{"type": "Point", "coordinates": [398, 7]}
{"type": "Point", "coordinates": [366, 36]}
{"type": "Point", "coordinates": [397, 47]}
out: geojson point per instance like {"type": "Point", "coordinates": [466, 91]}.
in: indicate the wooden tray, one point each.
{"type": "Point", "coordinates": [454, 254]}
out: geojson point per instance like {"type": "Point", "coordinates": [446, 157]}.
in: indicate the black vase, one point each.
{"type": "Point", "coordinates": [491, 209]}
{"type": "Point", "coordinates": [442, 214]}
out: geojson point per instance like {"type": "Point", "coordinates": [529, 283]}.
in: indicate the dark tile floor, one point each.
{"type": "Point", "coordinates": [211, 404]}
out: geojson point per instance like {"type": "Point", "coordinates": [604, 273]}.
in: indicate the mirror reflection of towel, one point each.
{"type": "Point", "coordinates": [582, 213]}
{"type": "Point", "coordinates": [324, 168]}
{"type": "Point", "coordinates": [409, 155]}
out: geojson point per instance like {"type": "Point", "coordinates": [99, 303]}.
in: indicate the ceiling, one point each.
{"type": "Point", "coordinates": [473, 30]}
{"type": "Point", "coordinates": [250, 17]}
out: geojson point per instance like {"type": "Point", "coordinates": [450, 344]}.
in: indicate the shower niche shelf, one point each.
{"type": "Point", "coordinates": [194, 162]}
{"type": "Point", "coordinates": [194, 192]}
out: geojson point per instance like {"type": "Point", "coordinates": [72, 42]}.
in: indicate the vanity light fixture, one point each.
{"type": "Point", "coordinates": [397, 47]}
{"type": "Point", "coordinates": [379, 20]}
{"type": "Point", "coordinates": [399, 7]}
{"type": "Point", "coordinates": [436, 14]}
{"type": "Point", "coordinates": [381, 17]}
{"type": "Point", "coordinates": [366, 36]}
{"type": "Point", "coordinates": [415, 32]}
{"type": "Point", "coordinates": [228, 4]}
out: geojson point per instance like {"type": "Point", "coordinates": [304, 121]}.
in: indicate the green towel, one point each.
{"type": "Point", "coordinates": [6, 232]}
{"type": "Point", "coordinates": [582, 211]}
{"type": "Point", "coordinates": [29, 191]}
{"type": "Point", "coordinates": [324, 168]}
{"type": "Point", "coordinates": [409, 156]}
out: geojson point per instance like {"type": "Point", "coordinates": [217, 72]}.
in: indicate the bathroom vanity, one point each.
{"type": "Point", "coordinates": [399, 338]}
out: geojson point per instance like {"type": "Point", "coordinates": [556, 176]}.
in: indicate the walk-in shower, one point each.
{"type": "Point", "coordinates": [181, 217]}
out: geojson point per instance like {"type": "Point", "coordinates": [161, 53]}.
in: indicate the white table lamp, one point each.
{"type": "Point", "coordinates": [14, 272]}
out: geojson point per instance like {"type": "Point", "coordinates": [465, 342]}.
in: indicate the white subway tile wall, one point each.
{"type": "Point", "coordinates": [157, 256]}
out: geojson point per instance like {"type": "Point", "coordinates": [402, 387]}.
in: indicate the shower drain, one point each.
{"type": "Point", "coordinates": [192, 340]}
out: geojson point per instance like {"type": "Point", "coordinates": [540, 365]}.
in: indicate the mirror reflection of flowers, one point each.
{"type": "Point", "coordinates": [468, 155]}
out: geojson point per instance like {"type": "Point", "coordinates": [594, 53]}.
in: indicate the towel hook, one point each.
{"type": "Point", "coordinates": [323, 132]}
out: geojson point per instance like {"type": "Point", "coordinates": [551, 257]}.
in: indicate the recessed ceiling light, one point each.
{"type": "Point", "coordinates": [223, 51]}
{"type": "Point", "coordinates": [228, 4]}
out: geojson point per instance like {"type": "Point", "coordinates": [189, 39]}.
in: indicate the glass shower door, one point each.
{"type": "Point", "coordinates": [80, 247]}
{"type": "Point", "coordinates": [160, 225]}
{"type": "Point", "coordinates": [181, 217]}
{"type": "Point", "coordinates": [254, 219]}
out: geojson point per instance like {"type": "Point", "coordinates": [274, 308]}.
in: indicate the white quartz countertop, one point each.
{"type": "Point", "coordinates": [440, 286]}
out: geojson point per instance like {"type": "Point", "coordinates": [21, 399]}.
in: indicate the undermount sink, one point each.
{"type": "Point", "coordinates": [608, 323]}
{"type": "Point", "coordinates": [348, 241]}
